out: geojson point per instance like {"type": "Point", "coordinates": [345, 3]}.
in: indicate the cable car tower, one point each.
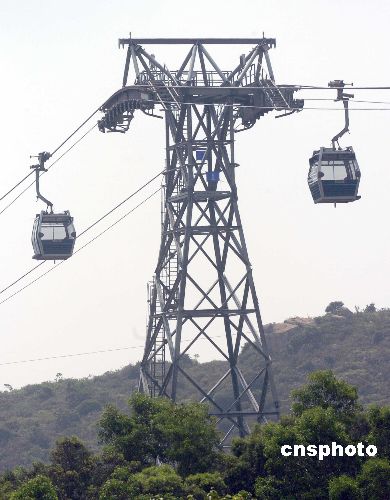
{"type": "Point", "coordinates": [203, 293]}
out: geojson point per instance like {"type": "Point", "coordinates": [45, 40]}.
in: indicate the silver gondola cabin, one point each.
{"type": "Point", "coordinates": [334, 173]}
{"type": "Point", "coordinates": [53, 236]}
{"type": "Point", "coordinates": [334, 176]}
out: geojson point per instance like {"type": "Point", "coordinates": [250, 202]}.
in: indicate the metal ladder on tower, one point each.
{"type": "Point", "coordinates": [275, 97]}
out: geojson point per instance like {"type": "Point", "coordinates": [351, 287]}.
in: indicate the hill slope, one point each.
{"type": "Point", "coordinates": [355, 346]}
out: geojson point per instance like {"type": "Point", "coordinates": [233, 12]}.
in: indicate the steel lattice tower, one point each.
{"type": "Point", "coordinates": [203, 288]}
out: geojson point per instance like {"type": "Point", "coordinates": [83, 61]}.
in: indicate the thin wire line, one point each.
{"type": "Point", "coordinates": [291, 86]}
{"type": "Point", "coordinates": [352, 100]}
{"type": "Point", "coordinates": [81, 248]}
{"type": "Point", "coordinates": [287, 108]}
{"type": "Point", "coordinates": [233, 105]}
{"type": "Point", "coordinates": [53, 153]}
{"type": "Point", "coordinates": [113, 349]}
{"type": "Point", "coordinates": [69, 355]}
{"type": "Point", "coordinates": [21, 277]}
{"type": "Point", "coordinates": [48, 168]}
{"type": "Point", "coordinates": [75, 132]}
{"type": "Point", "coordinates": [124, 201]}
{"type": "Point", "coordinates": [93, 224]}
{"type": "Point", "coordinates": [16, 185]}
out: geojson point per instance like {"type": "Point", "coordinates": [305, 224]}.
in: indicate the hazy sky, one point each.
{"type": "Point", "coordinates": [60, 61]}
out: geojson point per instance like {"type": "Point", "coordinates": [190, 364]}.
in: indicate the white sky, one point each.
{"type": "Point", "coordinates": [60, 61]}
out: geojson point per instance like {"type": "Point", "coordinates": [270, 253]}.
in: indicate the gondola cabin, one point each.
{"type": "Point", "coordinates": [334, 176]}
{"type": "Point", "coordinates": [53, 236]}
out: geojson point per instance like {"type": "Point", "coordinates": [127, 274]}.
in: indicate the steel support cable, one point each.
{"type": "Point", "coordinates": [292, 86]}
{"type": "Point", "coordinates": [75, 132]}
{"type": "Point", "coordinates": [79, 249]}
{"type": "Point", "coordinates": [70, 355]}
{"type": "Point", "coordinates": [16, 185]}
{"type": "Point", "coordinates": [48, 168]}
{"type": "Point", "coordinates": [195, 103]}
{"type": "Point", "coordinates": [178, 86]}
{"type": "Point", "coordinates": [352, 100]}
{"type": "Point", "coordinates": [21, 277]}
{"type": "Point", "coordinates": [93, 224]}
{"type": "Point", "coordinates": [89, 353]}
{"type": "Point", "coordinates": [124, 201]}
{"type": "Point", "coordinates": [53, 153]}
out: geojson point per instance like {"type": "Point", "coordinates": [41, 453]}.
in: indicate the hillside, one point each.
{"type": "Point", "coordinates": [355, 346]}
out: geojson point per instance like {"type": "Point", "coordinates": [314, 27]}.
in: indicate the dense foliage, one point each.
{"type": "Point", "coordinates": [159, 450]}
{"type": "Point", "coordinates": [356, 346]}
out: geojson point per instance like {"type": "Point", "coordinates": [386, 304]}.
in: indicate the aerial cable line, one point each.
{"type": "Point", "coordinates": [92, 225]}
{"type": "Point", "coordinates": [16, 185]}
{"type": "Point", "coordinates": [101, 351]}
{"type": "Point", "coordinates": [70, 355]}
{"type": "Point", "coordinates": [75, 132]}
{"type": "Point", "coordinates": [301, 87]}
{"type": "Point", "coordinates": [287, 108]}
{"type": "Point", "coordinates": [48, 168]}
{"type": "Point", "coordinates": [82, 247]}
{"type": "Point", "coordinates": [354, 100]}
{"type": "Point", "coordinates": [23, 276]}
{"type": "Point", "coordinates": [124, 201]}
{"type": "Point", "coordinates": [54, 152]}
{"type": "Point", "coordinates": [232, 105]}
{"type": "Point", "coordinates": [296, 87]}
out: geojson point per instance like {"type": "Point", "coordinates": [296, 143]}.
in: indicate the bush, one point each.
{"type": "Point", "coordinates": [374, 479]}
{"type": "Point", "coordinates": [343, 488]}
{"type": "Point", "coordinates": [38, 488]}
{"type": "Point", "coordinates": [159, 480]}
{"type": "Point", "coordinates": [202, 483]}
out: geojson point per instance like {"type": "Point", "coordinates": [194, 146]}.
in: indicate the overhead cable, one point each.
{"type": "Point", "coordinates": [75, 132]}
{"type": "Point", "coordinates": [79, 249]}
{"type": "Point", "coordinates": [292, 86]}
{"type": "Point", "coordinates": [89, 353]}
{"type": "Point", "coordinates": [16, 185]}
{"type": "Point", "coordinates": [48, 168]}
{"type": "Point", "coordinates": [277, 108]}
{"type": "Point", "coordinates": [54, 152]}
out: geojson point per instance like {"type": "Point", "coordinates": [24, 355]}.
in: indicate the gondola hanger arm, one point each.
{"type": "Point", "coordinates": [341, 96]}
{"type": "Point", "coordinates": [40, 167]}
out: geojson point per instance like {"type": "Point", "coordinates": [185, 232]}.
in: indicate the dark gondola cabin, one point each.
{"type": "Point", "coordinates": [334, 176]}
{"type": "Point", "coordinates": [53, 236]}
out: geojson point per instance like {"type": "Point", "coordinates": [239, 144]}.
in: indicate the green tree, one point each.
{"type": "Point", "coordinates": [306, 476]}
{"type": "Point", "coordinates": [104, 464]}
{"type": "Point", "coordinates": [71, 468]}
{"type": "Point", "coordinates": [182, 434]}
{"type": "Point", "coordinates": [379, 421]}
{"type": "Point", "coordinates": [326, 391]}
{"type": "Point", "coordinates": [190, 436]}
{"type": "Point", "coordinates": [247, 462]}
{"type": "Point", "coordinates": [114, 489]}
{"type": "Point", "coordinates": [267, 488]}
{"type": "Point", "coordinates": [70, 454]}
{"type": "Point", "coordinates": [374, 479]}
{"type": "Point", "coordinates": [133, 436]}
{"type": "Point", "coordinates": [159, 480]}
{"type": "Point", "coordinates": [38, 488]}
{"type": "Point", "coordinates": [344, 488]}
{"type": "Point", "coordinates": [200, 484]}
